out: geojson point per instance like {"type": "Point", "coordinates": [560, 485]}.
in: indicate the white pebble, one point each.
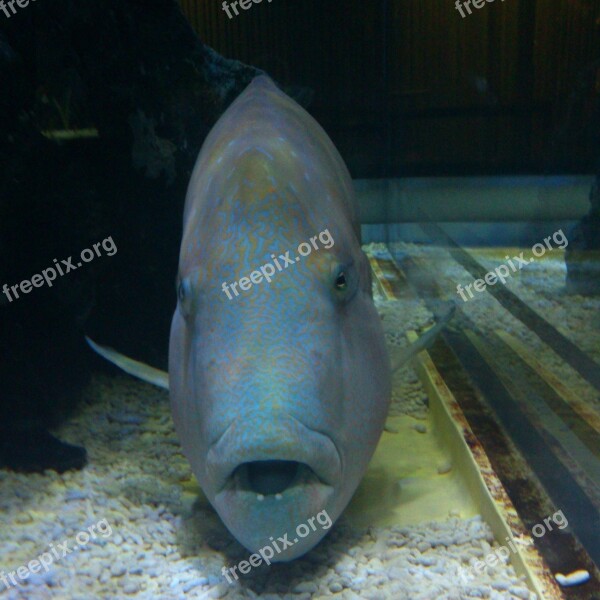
{"type": "Point", "coordinates": [131, 587]}
{"type": "Point", "coordinates": [520, 592]}
{"type": "Point", "coordinates": [219, 591]}
{"type": "Point", "coordinates": [575, 578]}
{"type": "Point", "coordinates": [306, 586]}
{"type": "Point", "coordinates": [117, 570]}
{"type": "Point", "coordinates": [444, 468]}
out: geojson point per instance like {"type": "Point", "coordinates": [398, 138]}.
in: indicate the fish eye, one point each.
{"type": "Point", "coordinates": [340, 282]}
{"type": "Point", "coordinates": [181, 291]}
{"type": "Point", "coordinates": [344, 281]}
{"type": "Point", "coordinates": [185, 295]}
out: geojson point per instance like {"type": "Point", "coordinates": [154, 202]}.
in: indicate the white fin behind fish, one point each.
{"type": "Point", "coordinates": [129, 365]}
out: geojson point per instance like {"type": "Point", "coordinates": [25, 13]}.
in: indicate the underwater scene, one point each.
{"type": "Point", "coordinates": [300, 299]}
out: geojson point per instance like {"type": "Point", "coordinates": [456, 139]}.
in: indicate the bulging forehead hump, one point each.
{"type": "Point", "coordinates": [266, 160]}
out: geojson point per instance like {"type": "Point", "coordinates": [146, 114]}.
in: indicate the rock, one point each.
{"type": "Point", "coordinates": [520, 592]}
{"type": "Point", "coordinates": [306, 586]}
{"type": "Point", "coordinates": [444, 468]}
{"type": "Point", "coordinates": [219, 591]}
{"type": "Point", "coordinates": [131, 587]}
{"type": "Point", "coordinates": [117, 569]}
{"type": "Point", "coordinates": [31, 448]}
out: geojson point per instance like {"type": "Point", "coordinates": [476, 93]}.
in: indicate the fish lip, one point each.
{"type": "Point", "coordinates": [288, 440]}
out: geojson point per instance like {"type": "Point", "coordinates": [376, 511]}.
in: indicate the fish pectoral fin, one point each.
{"type": "Point", "coordinates": [129, 365]}
{"type": "Point", "coordinates": [403, 355]}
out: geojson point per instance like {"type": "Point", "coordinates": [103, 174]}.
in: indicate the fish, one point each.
{"type": "Point", "coordinates": [279, 392]}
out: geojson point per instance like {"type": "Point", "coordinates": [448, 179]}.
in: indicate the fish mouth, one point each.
{"type": "Point", "coordinates": [269, 492]}
{"type": "Point", "coordinates": [270, 477]}
{"type": "Point", "coordinates": [289, 456]}
{"type": "Point", "coordinates": [266, 480]}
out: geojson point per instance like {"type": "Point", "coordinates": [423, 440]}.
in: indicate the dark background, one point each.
{"type": "Point", "coordinates": [409, 87]}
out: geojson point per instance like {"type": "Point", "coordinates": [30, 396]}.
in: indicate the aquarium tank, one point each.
{"type": "Point", "coordinates": [300, 300]}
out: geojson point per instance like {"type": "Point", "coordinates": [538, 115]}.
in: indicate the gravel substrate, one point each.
{"type": "Point", "coordinates": [165, 542]}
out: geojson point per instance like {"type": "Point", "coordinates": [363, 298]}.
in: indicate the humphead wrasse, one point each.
{"type": "Point", "coordinates": [279, 387]}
